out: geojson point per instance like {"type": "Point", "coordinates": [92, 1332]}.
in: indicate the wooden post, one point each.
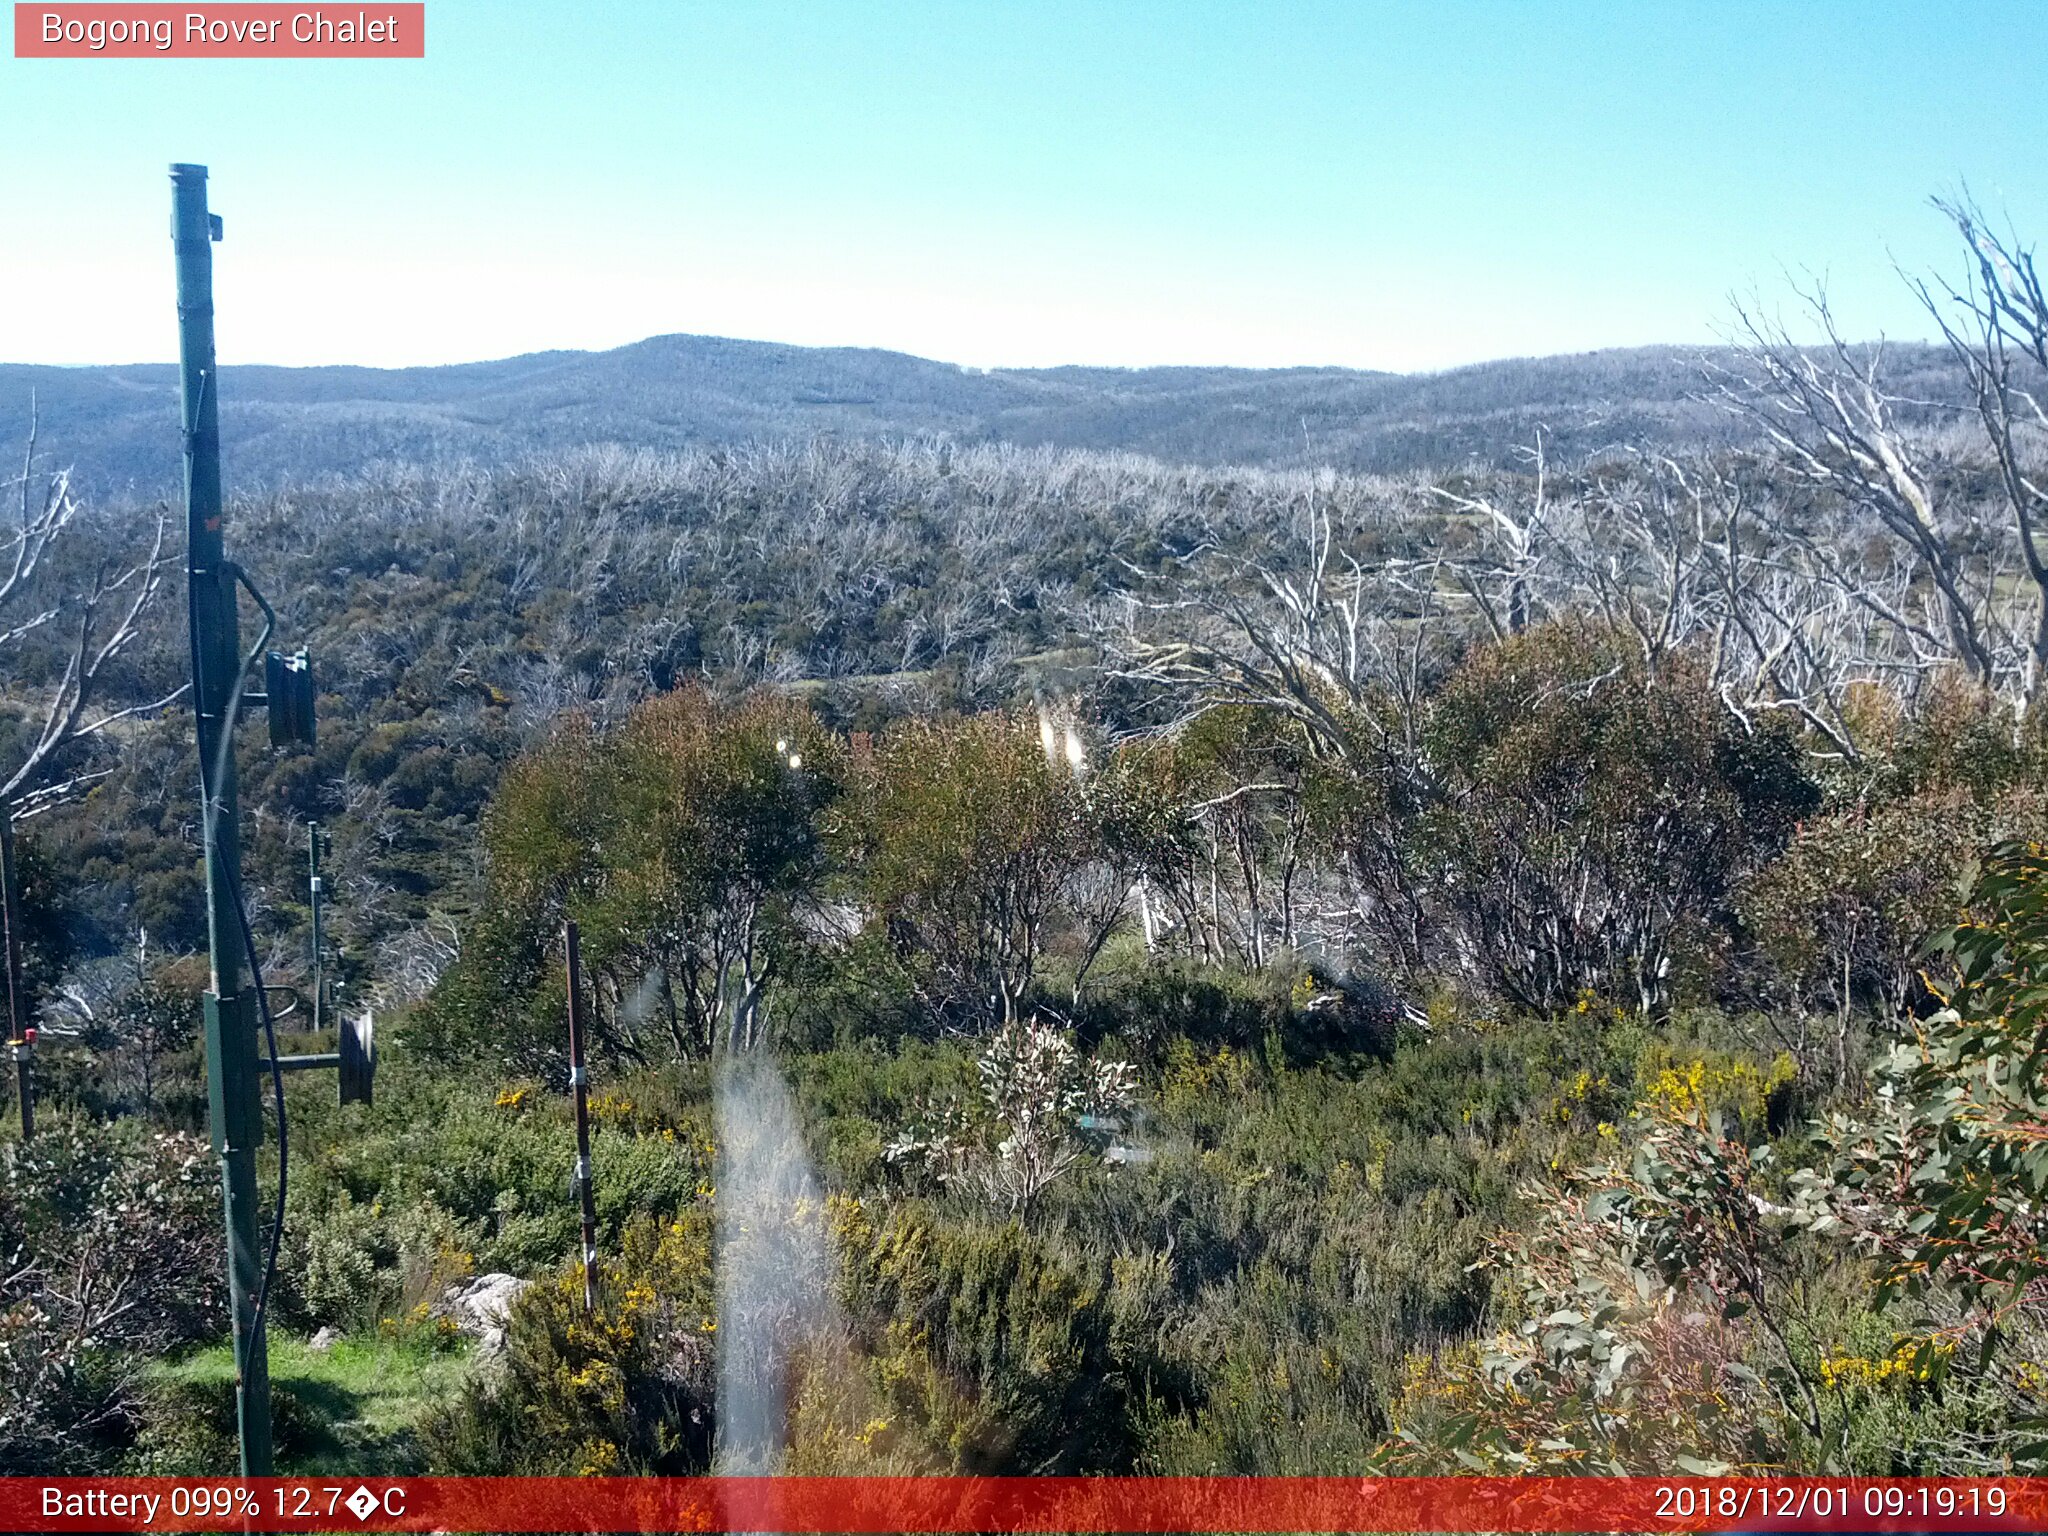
{"type": "Point", "coordinates": [20, 1038]}
{"type": "Point", "coordinates": [579, 1086]}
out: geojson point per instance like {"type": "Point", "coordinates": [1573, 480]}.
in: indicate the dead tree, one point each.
{"type": "Point", "coordinates": [1701, 555]}
{"type": "Point", "coordinates": [1344, 647]}
{"type": "Point", "coordinates": [1996, 326]}
{"type": "Point", "coordinates": [1837, 426]}
{"type": "Point", "coordinates": [1513, 540]}
{"type": "Point", "coordinates": [1975, 588]}
{"type": "Point", "coordinates": [1312, 632]}
{"type": "Point", "coordinates": [99, 617]}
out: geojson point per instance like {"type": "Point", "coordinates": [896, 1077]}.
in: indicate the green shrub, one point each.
{"type": "Point", "coordinates": [445, 1175]}
{"type": "Point", "coordinates": [356, 1266]}
{"type": "Point", "coordinates": [858, 1097]}
{"type": "Point", "coordinates": [1574, 822]}
{"type": "Point", "coordinates": [841, 995]}
{"type": "Point", "coordinates": [1006, 1349]}
{"type": "Point", "coordinates": [1943, 1176]}
{"type": "Point", "coordinates": [961, 841]}
{"type": "Point", "coordinates": [627, 1389]}
{"type": "Point", "coordinates": [189, 1428]}
{"type": "Point", "coordinates": [680, 843]}
{"type": "Point", "coordinates": [112, 1233]}
{"type": "Point", "coordinates": [1843, 917]}
{"type": "Point", "coordinates": [1175, 1002]}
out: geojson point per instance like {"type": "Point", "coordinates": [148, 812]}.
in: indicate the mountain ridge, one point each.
{"type": "Point", "coordinates": [118, 423]}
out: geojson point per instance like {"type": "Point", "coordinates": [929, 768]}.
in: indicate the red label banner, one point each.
{"type": "Point", "coordinates": [234, 31]}
{"type": "Point", "coordinates": [804, 1505]}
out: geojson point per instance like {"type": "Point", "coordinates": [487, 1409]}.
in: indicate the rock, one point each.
{"type": "Point", "coordinates": [324, 1340]}
{"type": "Point", "coordinates": [479, 1308]}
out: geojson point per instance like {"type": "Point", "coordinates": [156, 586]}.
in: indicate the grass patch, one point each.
{"type": "Point", "coordinates": [353, 1408]}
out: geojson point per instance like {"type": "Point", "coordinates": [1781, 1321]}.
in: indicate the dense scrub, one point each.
{"type": "Point", "coordinates": [1277, 972]}
{"type": "Point", "coordinates": [455, 611]}
{"type": "Point", "coordinates": [1347, 1194]}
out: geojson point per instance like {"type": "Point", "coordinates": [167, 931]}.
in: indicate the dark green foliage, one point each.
{"type": "Point", "coordinates": [1299, 1016]}
{"type": "Point", "coordinates": [859, 1097]}
{"type": "Point", "coordinates": [188, 1428]}
{"type": "Point", "coordinates": [448, 1175]}
{"type": "Point", "coordinates": [1843, 918]}
{"type": "Point", "coordinates": [1228, 820]}
{"type": "Point", "coordinates": [681, 845]}
{"type": "Point", "coordinates": [1959, 1146]}
{"type": "Point", "coordinates": [500, 1002]}
{"type": "Point", "coordinates": [1838, 924]}
{"type": "Point", "coordinates": [1150, 1008]}
{"type": "Point", "coordinates": [962, 845]}
{"type": "Point", "coordinates": [1239, 1301]}
{"type": "Point", "coordinates": [1023, 1337]}
{"type": "Point", "coordinates": [843, 994]}
{"type": "Point", "coordinates": [1954, 737]}
{"type": "Point", "coordinates": [1582, 820]}
{"type": "Point", "coordinates": [51, 928]}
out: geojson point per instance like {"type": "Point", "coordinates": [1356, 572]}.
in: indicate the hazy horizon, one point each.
{"type": "Point", "coordinates": [967, 368]}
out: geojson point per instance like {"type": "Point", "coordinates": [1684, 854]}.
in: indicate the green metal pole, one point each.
{"type": "Point", "coordinates": [232, 1082]}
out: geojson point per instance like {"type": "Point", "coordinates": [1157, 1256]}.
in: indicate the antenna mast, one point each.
{"type": "Point", "coordinates": [232, 1084]}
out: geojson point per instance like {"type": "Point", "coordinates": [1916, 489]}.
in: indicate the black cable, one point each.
{"type": "Point", "coordinates": [211, 808]}
{"type": "Point", "coordinates": [277, 1089]}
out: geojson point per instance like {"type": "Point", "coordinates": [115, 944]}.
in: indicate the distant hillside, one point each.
{"type": "Point", "coordinates": [119, 425]}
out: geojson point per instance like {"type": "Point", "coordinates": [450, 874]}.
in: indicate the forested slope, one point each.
{"type": "Point", "coordinates": [118, 426]}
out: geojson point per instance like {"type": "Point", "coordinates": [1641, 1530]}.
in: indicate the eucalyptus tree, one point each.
{"type": "Point", "coordinates": [686, 843]}
{"type": "Point", "coordinates": [962, 845]}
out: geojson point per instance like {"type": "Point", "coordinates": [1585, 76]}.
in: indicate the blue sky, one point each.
{"type": "Point", "coordinates": [993, 183]}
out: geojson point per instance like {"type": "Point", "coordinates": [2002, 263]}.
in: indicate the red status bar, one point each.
{"type": "Point", "coordinates": [1002, 1504]}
